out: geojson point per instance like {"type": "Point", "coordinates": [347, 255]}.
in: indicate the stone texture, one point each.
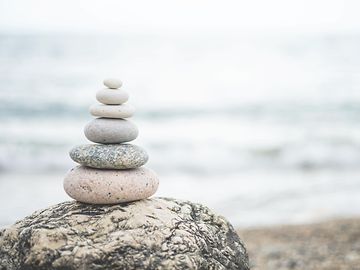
{"type": "Point", "coordinates": [97, 186]}
{"type": "Point", "coordinates": [106, 130]}
{"type": "Point", "coordinates": [112, 97]}
{"type": "Point", "coordinates": [112, 111]}
{"type": "Point", "coordinates": [113, 83]}
{"type": "Point", "coordinates": [109, 156]}
{"type": "Point", "coordinates": [329, 245]}
{"type": "Point", "coordinates": [150, 234]}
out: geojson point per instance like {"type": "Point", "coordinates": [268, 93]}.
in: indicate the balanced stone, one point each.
{"type": "Point", "coordinates": [112, 111]}
{"type": "Point", "coordinates": [112, 97]}
{"type": "Point", "coordinates": [109, 156]}
{"type": "Point", "coordinates": [157, 233]}
{"type": "Point", "coordinates": [107, 130]}
{"type": "Point", "coordinates": [96, 186]}
{"type": "Point", "coordinates": [112, 83]}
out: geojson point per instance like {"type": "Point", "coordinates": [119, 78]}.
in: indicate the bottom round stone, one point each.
{"type": "Point", "coordinates": [96, 186]}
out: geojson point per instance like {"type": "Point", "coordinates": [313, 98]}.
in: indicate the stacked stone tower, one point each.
{"type": "Point", "coordinates": [110, 171]}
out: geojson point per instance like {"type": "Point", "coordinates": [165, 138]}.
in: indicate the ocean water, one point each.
{"type": "Point", "coordinates": [263, 129]}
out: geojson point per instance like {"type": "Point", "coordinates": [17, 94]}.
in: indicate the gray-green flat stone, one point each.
{"type": "Point", "coordinates": [109, 156]}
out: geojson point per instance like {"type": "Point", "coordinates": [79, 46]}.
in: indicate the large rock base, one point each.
{"type": "Point", "coordinates": [157, 233]}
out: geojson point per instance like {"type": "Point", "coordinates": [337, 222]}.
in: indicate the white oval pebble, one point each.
{"type": "Point", "coordinates": [98, 186]}
{"type": "Point", "coordinates": [112, 83]}
{"type": "Point", "coordinates": [112, 111]}
{"type": "Point", "coordinates": [108, 130]}
{"type": "Point", "coordinates": [112, 97]}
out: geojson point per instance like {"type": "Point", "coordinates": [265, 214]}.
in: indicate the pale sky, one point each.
{"type": "Point", "coordinates": [184, 16]}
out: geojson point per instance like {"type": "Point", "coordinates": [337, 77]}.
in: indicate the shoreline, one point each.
{"type": "Point", "coordinates": [329, 245]}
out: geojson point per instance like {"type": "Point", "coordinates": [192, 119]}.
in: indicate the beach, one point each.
{"type": "Point", "coordinates": [249, 109]}
{"type": "Point", "coordinates": [266, 127]}
{"type": "Point", "coordinates": [330, 245]}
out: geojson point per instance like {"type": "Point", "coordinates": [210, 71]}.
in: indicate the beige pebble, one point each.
{"type": "Point", "coordinates": [112, 83]}
{"type": "Point", "coordinates": [112, 111]}
{"type": "Point", "coordinates": [112, 97]}
{"type": "Point", "coordinates": [97, 186]}
{"type": "Point", "coordinates": [108, 130]}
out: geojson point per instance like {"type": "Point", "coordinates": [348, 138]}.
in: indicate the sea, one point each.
{"type": "Point", "coordinates": [263, 129]}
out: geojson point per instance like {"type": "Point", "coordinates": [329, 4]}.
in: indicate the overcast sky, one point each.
{"type": "Point", "coordinates": [185, 15]}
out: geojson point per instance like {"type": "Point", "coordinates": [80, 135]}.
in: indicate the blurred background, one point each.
{"type": "Point", "coordinates": [249, 107]}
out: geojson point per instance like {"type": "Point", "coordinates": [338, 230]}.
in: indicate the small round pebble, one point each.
{"type": "Point", "coordinates": [97, 186]}
{"type": "Point", "coordinates": [109, 156]}
{"type": "Point", "coordinates": [107, 130]}
{"type": "Point", "coordinates": [112, 111]}
{"type": "Point", "coordinates": [112, 97]}
{"type": "Point", "coordinates": [112, 83]}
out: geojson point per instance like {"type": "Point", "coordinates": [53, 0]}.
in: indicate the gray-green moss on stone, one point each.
{"type": "Point", "coordinates": [109, 156]}
{"type": "Point", "coordinates": [157, 233]}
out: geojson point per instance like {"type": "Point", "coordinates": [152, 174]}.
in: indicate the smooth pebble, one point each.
{"type": "Point", "coordinates": [107, 130]}
{"type": "Point", "coordinates": [97, 186]}
{"type": "Point", "coordinates": [112, 83]}
{"type": "Point", "coordinates": [112, 97]}
{"type": "Point", "coordinates": [109, 156]}
{"type": "Point", "coordinates": [112, 111]}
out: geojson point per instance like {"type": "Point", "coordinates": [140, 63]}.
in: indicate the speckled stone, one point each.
{"type": "Point", "coordinates": [157, 233]}
{"type": "Point", "coordinates": [107, 130]}
{"type": "Point", "coordinates": [112, 83]}
{"type": "Point", "coordinates": [112, 96]}
{"type": "Point", "coordinates": [110, 156]}
{"type": "Point", "coordinates": [112, 111]}
{"type": "Point", "coordinates": [95, 186]}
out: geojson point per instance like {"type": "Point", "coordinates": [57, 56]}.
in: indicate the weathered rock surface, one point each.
{"type": "Point", "coordinates": [155, 233]}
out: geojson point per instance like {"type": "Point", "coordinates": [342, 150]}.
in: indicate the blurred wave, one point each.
{"type": "Point", "coordinates": [289, 142]}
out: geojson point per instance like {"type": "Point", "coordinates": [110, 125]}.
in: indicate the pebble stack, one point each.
{"type": "Point", "coordinates": [111, 170]}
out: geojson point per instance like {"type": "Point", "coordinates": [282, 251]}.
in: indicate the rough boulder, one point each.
{"type": "Point", "coordinates": [158, 233]}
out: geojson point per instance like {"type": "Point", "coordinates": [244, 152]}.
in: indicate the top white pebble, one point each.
{"type": "Point", "coordinates": [112, 83]}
